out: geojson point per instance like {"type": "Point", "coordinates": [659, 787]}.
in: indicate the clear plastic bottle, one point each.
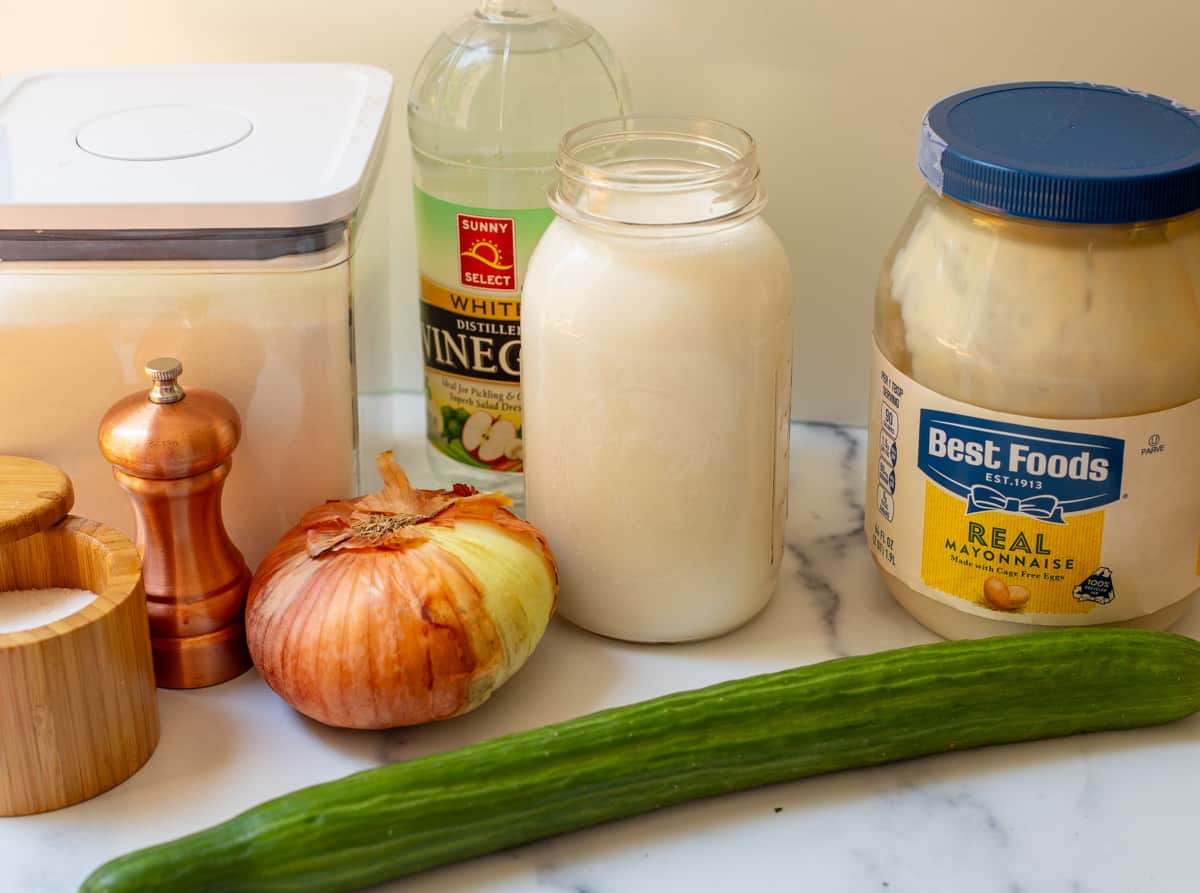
{"type": "Point", "coordinates": [488, 106]}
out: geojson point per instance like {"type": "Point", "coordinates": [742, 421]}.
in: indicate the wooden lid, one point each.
{"type": "Point", "coordinates": [33, 496]}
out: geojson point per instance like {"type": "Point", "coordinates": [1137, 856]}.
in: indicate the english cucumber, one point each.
{"type": "Point", "coordinates": [858, 711]}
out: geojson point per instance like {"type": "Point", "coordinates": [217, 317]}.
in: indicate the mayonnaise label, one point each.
{"type": "Point", "coordinates": [1060, 521]}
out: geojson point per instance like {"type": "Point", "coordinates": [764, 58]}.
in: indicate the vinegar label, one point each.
{"type": "Point", "coordinates": [1060, 521]}
{"type": "Point", "coordinates": [469, 336]}
{"type": "Point", "coordinates": [472, 265]}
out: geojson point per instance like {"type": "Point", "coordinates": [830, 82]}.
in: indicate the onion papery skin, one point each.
{"type": "Point", "coordinates": [419, 628]}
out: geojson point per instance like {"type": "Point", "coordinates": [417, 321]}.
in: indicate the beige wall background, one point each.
{"type": "Point", "coordinates": [833, 91]}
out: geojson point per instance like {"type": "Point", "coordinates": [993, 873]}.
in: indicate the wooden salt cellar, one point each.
{"type": "Point", "coordinates": [78, 707]}
{"type": "Point", "coordinates": [171, 452]}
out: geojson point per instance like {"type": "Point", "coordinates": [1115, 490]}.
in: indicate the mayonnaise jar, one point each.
{"type": "Point", "coordinates": [1035, 397]}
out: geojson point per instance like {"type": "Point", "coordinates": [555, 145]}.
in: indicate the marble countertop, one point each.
{"type": "Point", "coordinates": [1106, 813]}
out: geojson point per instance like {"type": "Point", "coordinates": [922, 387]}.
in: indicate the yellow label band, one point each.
{"type": "Point", "coordinates": [960, 553]}
{"type": "Point", "coordinates": [504, 310]}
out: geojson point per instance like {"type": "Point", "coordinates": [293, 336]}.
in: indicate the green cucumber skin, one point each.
{"type": "Point", "coordinates": [393, 821]}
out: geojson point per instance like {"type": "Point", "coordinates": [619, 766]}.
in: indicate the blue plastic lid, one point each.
{"type": "Point", "coordinates": [1072, 153]}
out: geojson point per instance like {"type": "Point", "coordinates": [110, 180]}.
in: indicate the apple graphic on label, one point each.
{"type": "Point", "coordinates": [488, 439]}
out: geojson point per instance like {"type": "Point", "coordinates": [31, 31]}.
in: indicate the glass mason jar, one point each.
{"type": "Point", "coordinates": [1036, 391]}
{"type": "Point", "coordinates": [656, 371]}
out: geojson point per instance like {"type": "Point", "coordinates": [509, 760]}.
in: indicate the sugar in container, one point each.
{"type": "Point", "coordinates": [214, 212]}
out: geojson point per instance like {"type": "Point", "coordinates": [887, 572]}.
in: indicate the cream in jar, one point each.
{"type": "Point", "coordinates": [656, 355]}
{"type": "Point", "coordinates": [1035, 400]}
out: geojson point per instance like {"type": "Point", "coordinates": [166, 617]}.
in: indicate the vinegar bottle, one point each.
{"type": "Point", "coordinates": [488, 106]}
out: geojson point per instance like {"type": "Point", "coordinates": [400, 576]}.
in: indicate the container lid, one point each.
{"type": "Point", "coordinates": [188, 146]}
{"type": "Point", "coordinates": [33, 497]}
{"type": "Point", "coordinates": [1066, 152]}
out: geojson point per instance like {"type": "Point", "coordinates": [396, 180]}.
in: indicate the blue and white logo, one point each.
{"type": "Point", "coordinates": [1036, 472]}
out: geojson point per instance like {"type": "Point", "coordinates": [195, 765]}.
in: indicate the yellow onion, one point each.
{"type": "Point", "coordinates": [400, 607]}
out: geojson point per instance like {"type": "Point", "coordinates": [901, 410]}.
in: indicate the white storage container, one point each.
{"type": "Point", "coordinates": [214, 213]}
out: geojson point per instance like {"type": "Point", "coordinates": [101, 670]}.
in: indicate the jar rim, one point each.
{"type": "Point", "coordinates": [728, 139]}
{"type": "Point", "coordinates": [710, 164]}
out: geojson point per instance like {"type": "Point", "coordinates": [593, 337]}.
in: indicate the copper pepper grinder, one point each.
{"type": "Point", "coordinates": [170, 452]}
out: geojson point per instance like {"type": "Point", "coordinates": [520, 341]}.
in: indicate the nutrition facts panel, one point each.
{"type": "Point", "coordinates": [889, 433]}
{"type": "Point", "coordinates": [889, 396]}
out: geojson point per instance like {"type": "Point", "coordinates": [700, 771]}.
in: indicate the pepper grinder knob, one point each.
{"type": "Point", "coordinates": [164, 371]}
{"type": "Point", "coordinates": [171, 452]}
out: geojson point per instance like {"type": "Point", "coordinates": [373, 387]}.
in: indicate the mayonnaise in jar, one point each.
{"type": "Point", "coordinates": [1035, 397]}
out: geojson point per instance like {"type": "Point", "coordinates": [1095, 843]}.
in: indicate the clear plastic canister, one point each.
{"type": "Point", "coordinates": [219, 214]}
{"type": "Point", "coordinates": [262, 317]}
